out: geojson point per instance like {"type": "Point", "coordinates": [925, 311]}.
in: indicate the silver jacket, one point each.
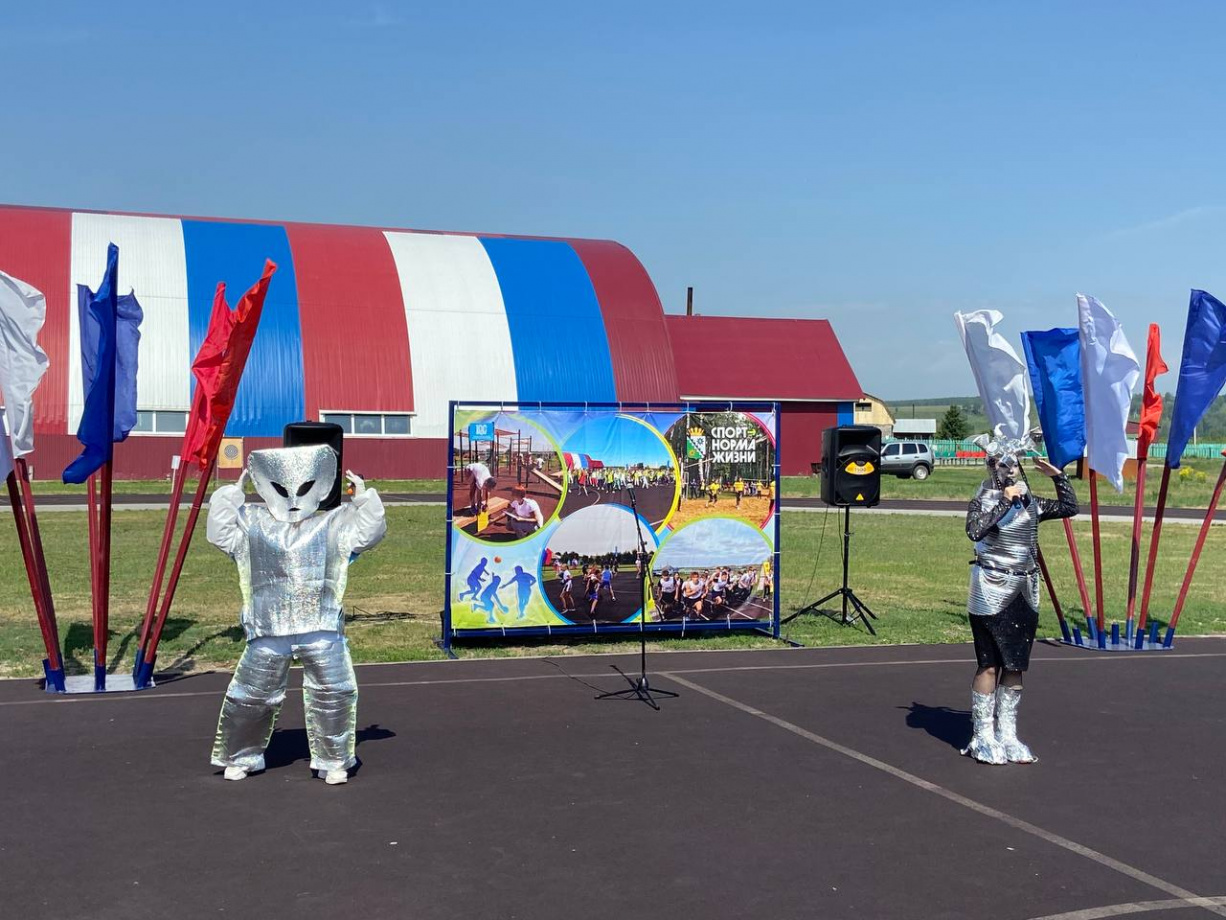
{"type": "Point", "coordinates": [1006, 540]}
{"type": "Point", "coordinates": [293, 575]}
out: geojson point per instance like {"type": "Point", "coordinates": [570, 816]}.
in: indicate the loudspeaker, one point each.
{"type": "Point", "coordinates": [308, 434]}
{"type": "Point", "coordinates": [851, 466]}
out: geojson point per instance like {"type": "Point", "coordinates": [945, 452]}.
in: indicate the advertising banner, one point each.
{"type": "Point", "coordinates": [558, 514]}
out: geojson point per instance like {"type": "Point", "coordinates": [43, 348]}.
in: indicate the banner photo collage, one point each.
{"type": "Point", "coordinates": [551, 509]}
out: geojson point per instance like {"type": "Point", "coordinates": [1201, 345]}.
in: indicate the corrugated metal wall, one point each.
{"type": "Point", "coordinates": [349, 301]}
{"type": "Point", "coordinates": [34, 246]}
{"type": "Point", "coordinates": [356, 319]}
{"type": "Point", "coordinates": [643, 369]}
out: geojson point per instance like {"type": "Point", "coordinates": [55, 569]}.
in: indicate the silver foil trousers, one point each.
{"type": "Point", "coordinates": [984, 747]}
{"type": "Point", "coordinates": [254, 697]}
{"type": "Point", "coordinates": [1007, 701]}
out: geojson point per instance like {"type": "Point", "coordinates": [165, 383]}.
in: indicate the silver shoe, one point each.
{"type": "Point", "coordinates": [1007, 701]}
{"type": "Point", "coordinates": [983, 746]}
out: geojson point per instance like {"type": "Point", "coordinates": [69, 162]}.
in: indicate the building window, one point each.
{"type": "Point", "coordinates": [160, 421]}
{"type": "Point", "coordinates": [370, 424]}
{"type": "Point", "coordinates": [864, 407]}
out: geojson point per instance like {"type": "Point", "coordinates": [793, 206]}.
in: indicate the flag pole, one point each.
{"type": "Point", "coordinates": [36, 589]}
{"type": "Point", "coordinates": [1051, 592]}
{"type": "Point", "coordinates": [1098, 559]}
{"type": "Point", "coordinates": [159, 572]}
{"type": "Point", "coordinates": [145, 673]}
{"type": "Point", "coordinates": [1134, 562]}
{"type": "Point", "coordinates": [1196, 551]}
{"type": "Point", "coordinates": [104, 576]}
{"type": "Point", "coordinates": [1152, 563]}
{"type": "Point", "coordinates": [92, 490]}
{"type": "Point", "coordinates": [1079, 572]}
{"type": "Point", "coordinates": [40, 561]}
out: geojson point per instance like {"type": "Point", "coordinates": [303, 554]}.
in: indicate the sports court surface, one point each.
{"type": "Point", "coordinates": [792, 783]}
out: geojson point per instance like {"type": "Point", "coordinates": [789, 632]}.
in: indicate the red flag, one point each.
{"type": "Point", "coordinates": [218, 368]}
{"type": "Point", "coordinates": [1151, 401]}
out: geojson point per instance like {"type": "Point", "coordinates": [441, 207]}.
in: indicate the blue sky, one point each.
{"type": "Point", "coordinates": [879, 165]}
{"type": "Point", "coordinates": [713, 541]}
{"type": "Point", "coordinates": [599, 529]}
{"type": "Point", "coordinates": [618, 441]}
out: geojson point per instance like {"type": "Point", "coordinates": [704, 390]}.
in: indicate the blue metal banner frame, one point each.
{"type": "Point", "coordinates": [678, 628]}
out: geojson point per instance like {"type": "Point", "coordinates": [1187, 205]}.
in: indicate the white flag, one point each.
{"type": "Point", "coordinates": [1109, 374]}
{"type": "Point", "coordinates": [999, 373]}
{"type": "Point", "coordinates": [22, 363]}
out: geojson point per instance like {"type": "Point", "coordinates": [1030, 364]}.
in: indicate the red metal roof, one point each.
{"type": "Point", "coordinates": [732, 357]}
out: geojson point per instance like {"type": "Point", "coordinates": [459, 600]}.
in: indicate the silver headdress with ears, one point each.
{"type": "Point", "coordinates": [293, 480]}
{"type": "Point", "coordinates": [1004, 455]}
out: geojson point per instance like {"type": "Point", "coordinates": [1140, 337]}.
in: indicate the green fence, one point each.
{"type": "Point", "coordinates": [947, 451]}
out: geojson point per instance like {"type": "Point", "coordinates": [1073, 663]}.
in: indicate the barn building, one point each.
{"type": "Point", "coordinates": [377, 329]}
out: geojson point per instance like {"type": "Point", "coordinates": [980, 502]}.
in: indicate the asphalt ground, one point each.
{"type": "Point", "coordinates": [779, 784]}
{"type": "Point", "coordinates": [654, 502]}
{"type": "Point", "coordinates": [625, 585]}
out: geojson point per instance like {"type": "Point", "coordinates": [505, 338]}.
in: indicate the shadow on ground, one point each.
{"type": "Point", "coordinates": [289, 746]}
{"type": "Point", "coordinates": [953, 726]}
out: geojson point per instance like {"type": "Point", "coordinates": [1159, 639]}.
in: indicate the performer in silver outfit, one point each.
{"type": "Point", "coordinates": [293, 562]}
{"type": "Point", "coordinates": [1003, 521]}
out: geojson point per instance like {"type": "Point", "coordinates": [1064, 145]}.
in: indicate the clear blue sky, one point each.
{"type": "Point", "coordinates": [618, 441]}
{"type": "Point", "coordinates": [880, 165]}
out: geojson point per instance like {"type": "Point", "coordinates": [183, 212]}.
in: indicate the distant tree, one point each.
{"type": "Point", "coordinates": [953, 426]}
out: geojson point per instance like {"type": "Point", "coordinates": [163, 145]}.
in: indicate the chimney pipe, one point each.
{"type": "Point", "coordinates": [689, 301]}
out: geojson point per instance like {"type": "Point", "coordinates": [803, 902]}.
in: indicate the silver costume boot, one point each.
{"type": "Point", "coordinates": [1007, 701]}
{"type": "Point", "coordinates": [330, 699]}
{"type": "Point", "coordinates": [984, 747]}
{"type": "Point", "coordinates": [250, 710]}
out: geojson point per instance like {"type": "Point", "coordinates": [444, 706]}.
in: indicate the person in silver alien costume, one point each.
{"type": "Point", "coordinates": [293, 563]}
{"type": "Point", "coordinates": [1003, 522]}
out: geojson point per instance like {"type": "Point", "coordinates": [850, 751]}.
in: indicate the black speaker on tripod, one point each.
{"type": "Point", "coordinates": [851, 477]}
{"type": "Point", "coordinates": [308, 434]}
{"type": "Point", "coordinates": [851, 466]}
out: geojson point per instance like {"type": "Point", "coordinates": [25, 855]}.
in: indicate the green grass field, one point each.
{"type": "Point", "coordinates": [956, 483]}
{"type": "Point", "coordinates": [911, 569]}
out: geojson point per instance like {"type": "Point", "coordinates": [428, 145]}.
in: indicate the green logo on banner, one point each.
{"type": "Point", "coordinates": [696, 446]}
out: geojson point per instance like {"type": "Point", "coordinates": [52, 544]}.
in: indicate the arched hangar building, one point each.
{"type": "Point", "coordinates": [378, 329]}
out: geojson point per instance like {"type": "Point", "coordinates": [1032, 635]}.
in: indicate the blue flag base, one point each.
{"type": "Point", "coordinates": [1102, 642]}
{"type": "Point", "coordinates": [55, 677]}
{"type": "Point", "coordinates": [142, 673]}
{"type": "Point", "coordinates": [116, 682]}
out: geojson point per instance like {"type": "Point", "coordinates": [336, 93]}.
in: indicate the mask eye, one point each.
{"type": "Point", "coordinates": [280, 490]}
{"type": "Point", "coordinates": [306, 487]}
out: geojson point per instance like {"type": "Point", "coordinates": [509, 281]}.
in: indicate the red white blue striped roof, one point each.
{"type": "Point", "coordinates": [356, 319]}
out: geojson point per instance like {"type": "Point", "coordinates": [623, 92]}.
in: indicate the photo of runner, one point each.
{"type": "Point", "coordinates": [689, 586]}
{"type": "Point", "coordinates": [611, 456]}
{"type": "Point", "coordinates": [727, 464]}
{"type": "Point", "coordinates": [592, 553]}
{"type": "Point", "coordinates": [507, 480]}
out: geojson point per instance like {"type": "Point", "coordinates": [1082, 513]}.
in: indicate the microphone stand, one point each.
{"type": "Point", "coordinates": [639, 688]}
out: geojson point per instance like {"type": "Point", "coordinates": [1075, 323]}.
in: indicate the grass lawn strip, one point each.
{"type": "Point", "coordinates": [911, 570]}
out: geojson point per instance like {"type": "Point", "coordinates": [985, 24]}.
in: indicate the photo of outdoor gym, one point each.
{"type": "Point", "coordinates": [611, 456]}
{"type": "Point", "coordinates": [727, 467]}
{"type": "Point", "coordinates": [506, 479]}
{"type": "Point", "coordinates": [686, 585]}
{"type": "Point", "coordinates": [592, 569]}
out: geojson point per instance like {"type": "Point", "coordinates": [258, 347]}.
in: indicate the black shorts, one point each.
{"type": "Point", "coordinates": [1004, 640]}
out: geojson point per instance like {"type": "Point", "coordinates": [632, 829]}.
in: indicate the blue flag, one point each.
{"type": "Point", "coordinates": [110, 337]}
{"type": "Point", "coordinates": [1054, 361]}
{"type": "Point", "coordinates": [1202, 372]}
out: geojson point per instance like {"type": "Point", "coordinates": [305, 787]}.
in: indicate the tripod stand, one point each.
{"type": "Point", "coordinates": [845, 592]}
{"type": "Point", "coordinates": [639, 687]}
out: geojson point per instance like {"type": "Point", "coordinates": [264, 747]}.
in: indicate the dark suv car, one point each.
{"type": "Point", "coordinates": [907, 459]}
